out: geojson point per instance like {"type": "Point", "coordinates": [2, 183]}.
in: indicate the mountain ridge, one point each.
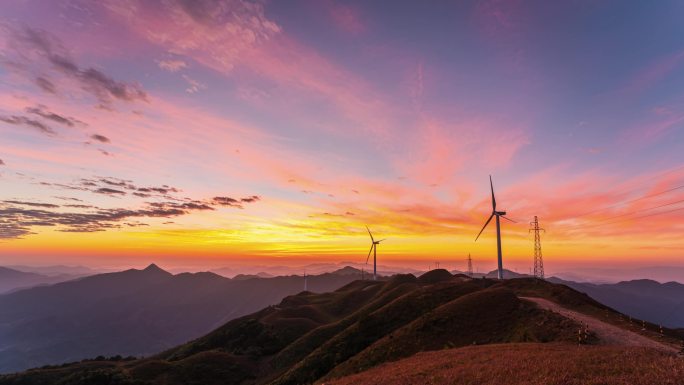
{"type": "Point", "coordinates": [309, 337]}
{"type": "Point", "coordinates": [12, 280]}
{"type": "Point", "coordinates": [132, 312]}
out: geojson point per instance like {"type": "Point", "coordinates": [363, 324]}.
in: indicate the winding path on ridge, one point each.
{"type": "Point", "coordinates": [608, 334]}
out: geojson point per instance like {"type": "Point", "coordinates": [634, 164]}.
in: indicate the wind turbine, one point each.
{"type": "Point", "coordinates": [306, 286]}
{"type": "Point", "coordinates": [496, 214]}
{"type": "Point", "coordinates": [374, 250]}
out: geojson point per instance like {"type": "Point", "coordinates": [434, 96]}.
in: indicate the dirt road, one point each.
{"type": "Point", "coordinates": [608, 334]}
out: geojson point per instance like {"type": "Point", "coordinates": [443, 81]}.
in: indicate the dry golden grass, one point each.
{"type": "Point", "coordinates": [529, 364]}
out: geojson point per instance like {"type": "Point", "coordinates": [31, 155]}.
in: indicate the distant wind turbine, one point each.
{"type": "Point", "coordinates": [306, 286]}
{"type": "Point", "coordinates": [496, 214]}
{"type": "Point", "coordinates": [374, 250]}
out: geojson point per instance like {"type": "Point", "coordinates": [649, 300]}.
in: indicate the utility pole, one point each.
{"type": "Point", "coordinates": [538, 261]}
{"type": "Point", "coordinates": [470, 266]}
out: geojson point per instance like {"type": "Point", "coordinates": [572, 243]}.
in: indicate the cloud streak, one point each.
{"type": "Point", "coordinates": [31, 45]}
{"type": "Point", "coordinates": [18, 218]}
{"type": "Point", "coordinates": [27, 122]}
{"type": "Point", "coordinates": [172, 65]}
{"type": "Point", "coordinates": [100, 138]}
{"type": "Point", "coordinates": [44, 113]}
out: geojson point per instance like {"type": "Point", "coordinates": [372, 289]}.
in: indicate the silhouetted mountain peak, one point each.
{"type": "Point", "coordinates": [639, 283]}
{"type": "Point", "coordinates": [244, 277]}
{"type": "Point", "coordinates": [153, 268]}
{"type": "Point", "coordinates": [347, 270]}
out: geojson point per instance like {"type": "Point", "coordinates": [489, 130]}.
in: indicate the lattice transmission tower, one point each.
{"type": "Point", "coordinates": [470, 266]}
{"type": "Point", "coordinates": [538, 261]}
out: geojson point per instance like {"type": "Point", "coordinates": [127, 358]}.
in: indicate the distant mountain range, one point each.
{"type": "Point", "coordinates": [312, 268]}
{"type": "Point", "coordinates": [56, 270]}
{"type": "Point", "coordinates": [13, 279]}
{"type": "Point", "coordinates": [319, 338]}
{"type": "Point", "coordinates": [133, 312]}
{"type": "Point", "coordinates": [643, 299]}
{"type": "Point", "coordinates": [613, 275]}
{"type": "Point", "coordinates": [142, 312]}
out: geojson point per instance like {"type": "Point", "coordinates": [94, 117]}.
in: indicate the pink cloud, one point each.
{"type": "Point", "coordinates": [346, 17]}
{"type": "Point", "coordinates": [654, 72]}
{"type": "Point", "coordinates": [592, 205]}
{"type": "Point", "coordinates": [218, 32]}
{"type": "Point", "coordinates": [252, 43]}
{"type": "Point", "coordinates": [438, 150]}
{"type": "Point", "coordinates": [172, 65]}
{"type": "Point", "coordinates": [657, 125]}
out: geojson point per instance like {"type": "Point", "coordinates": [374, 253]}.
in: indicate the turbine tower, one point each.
{"type": "Point", "coordinates": [470, 266]}
{"type": "Point", "coordinates": [496, 214]}
{"type": "Point", "coordinates": [305, 282]}
{"type": "Point", "coordinates": [538, 261]}
{"type": "Point", "coordinates": [374, 250]}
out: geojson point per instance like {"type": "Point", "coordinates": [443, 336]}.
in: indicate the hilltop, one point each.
{"type": "Point", "coordinates": [310, 337]}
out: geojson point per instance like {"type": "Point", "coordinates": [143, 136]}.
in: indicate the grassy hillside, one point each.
{"type": "Point", "coordinates": [528, 364]}
{"type": "Point", "coordinates": [487, 316]}
{"type": "Point", "coordinates": [318, 337]}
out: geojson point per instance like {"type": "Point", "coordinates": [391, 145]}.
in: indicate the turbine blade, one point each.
{"type": "Point", "coordinates": [369, 253]}
{"type": "Point", "coordinates": [483, 227]}
{"type": "Point", "coordinates": [369, 233]}
{"type": "Point", "coordinates": [381, 240]}
{"type": "Point", "coordinates": [493, 199]}
{"type": "Point", "coordinates": [508, 219]}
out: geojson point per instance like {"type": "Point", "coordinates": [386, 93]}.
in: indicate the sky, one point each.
{"type": "Point", "coordinates": [210, 133]}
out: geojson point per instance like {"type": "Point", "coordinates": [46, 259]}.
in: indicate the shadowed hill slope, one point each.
{"type": "Point", "coordinates": [318, 337]}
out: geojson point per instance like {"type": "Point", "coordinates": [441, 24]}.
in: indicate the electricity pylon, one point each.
{"type": "Point", "coordinates": [470, 266]}
{"type": "Point", "coordinates": [538, 261]}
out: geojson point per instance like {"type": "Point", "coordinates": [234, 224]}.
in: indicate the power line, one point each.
{"type": "Point", "coordinates": [658, 175]}
{"type": "Point", "coordinates": [639, 217]}
{"type": "Point", "coordinates": [628, 201]}
{"type": "Point", "coordinates": [642, 210]}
